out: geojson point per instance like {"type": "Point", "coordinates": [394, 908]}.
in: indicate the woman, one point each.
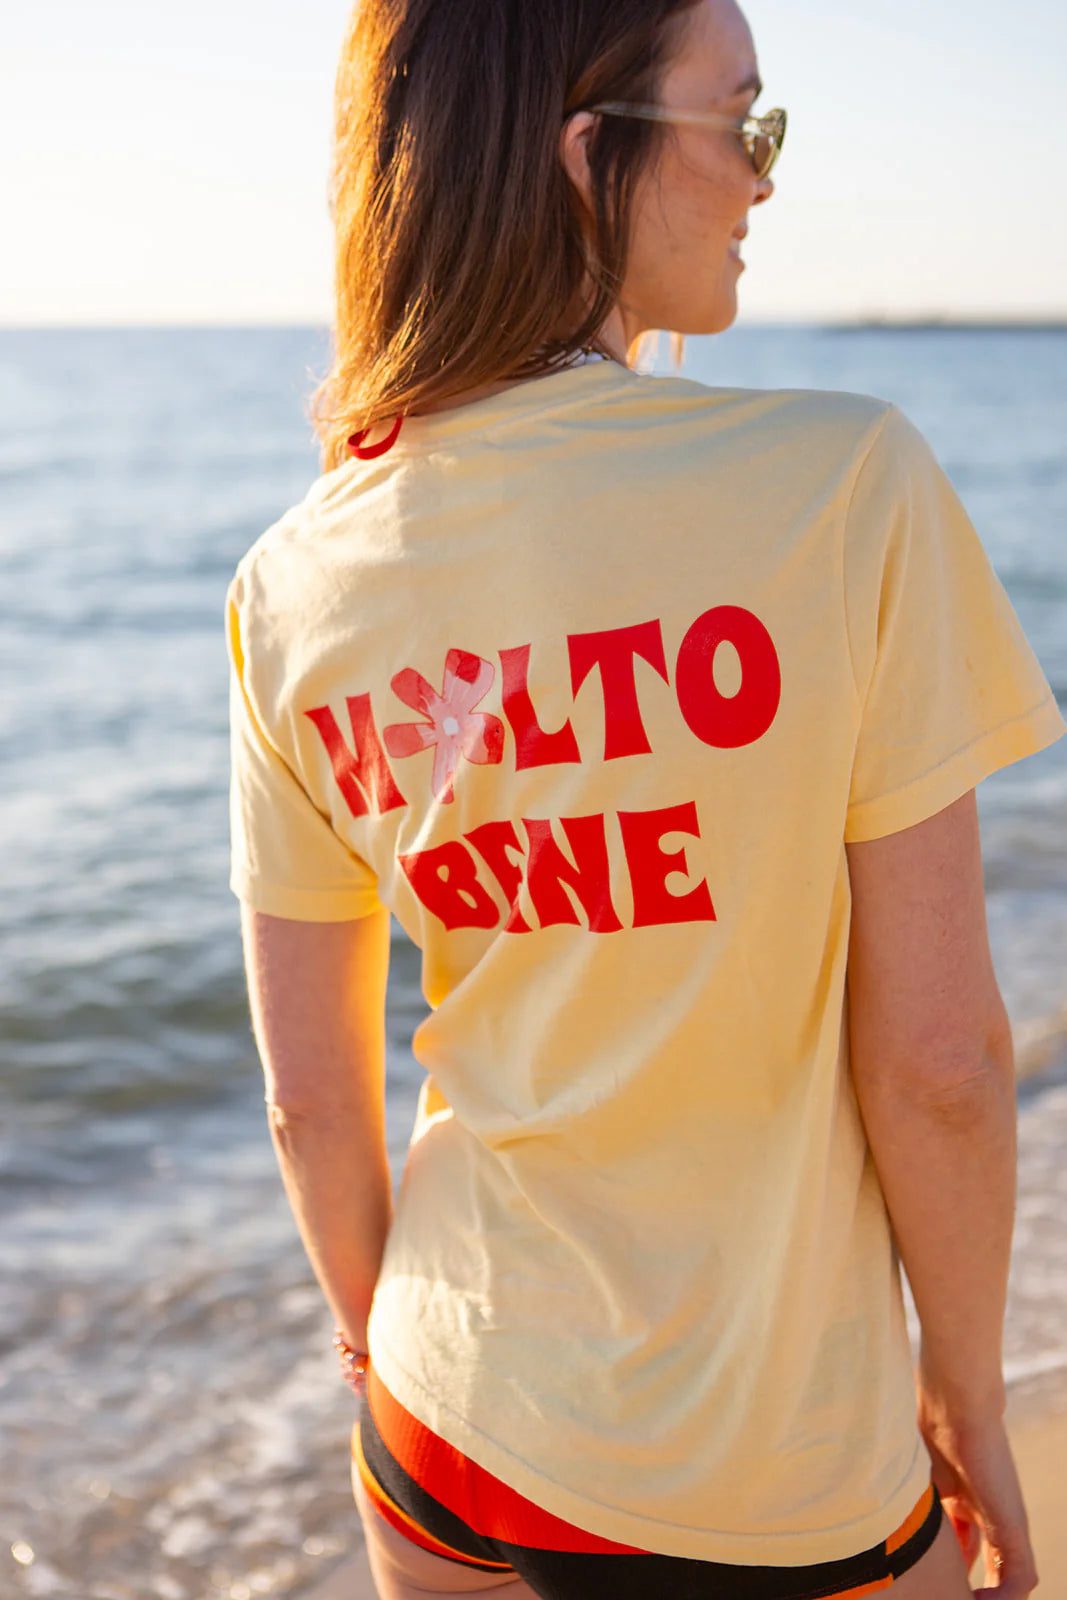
{"type": "Point", "coordinates": [652, 712]}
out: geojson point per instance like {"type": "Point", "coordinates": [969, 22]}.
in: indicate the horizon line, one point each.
{"type": "Point", "coordinates": [863, 321]}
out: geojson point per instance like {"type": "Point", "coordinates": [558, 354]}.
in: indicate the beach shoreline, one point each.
{"type": "Point", "coordinates": [1037, 1425]}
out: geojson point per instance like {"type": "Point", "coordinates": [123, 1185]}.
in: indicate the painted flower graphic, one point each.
{"type": "Point", "coordinates": [454, 728]}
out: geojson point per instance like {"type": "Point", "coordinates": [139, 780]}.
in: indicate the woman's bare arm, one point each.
{"type": "Point", "coordinates": [933, 1067]}
{"type": "Point", "coordinates": [934, 1071]}
{"type": "Point", "coordinates": [317, 996]}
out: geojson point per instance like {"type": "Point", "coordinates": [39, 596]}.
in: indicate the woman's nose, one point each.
{"type": "Point", "coordinates": [764, 190]}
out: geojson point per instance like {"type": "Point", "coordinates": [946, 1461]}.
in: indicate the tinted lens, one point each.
{"type": "Point", "coordinates": [779, 120]}
{"type": "Point", "coordinates": [764, 151]}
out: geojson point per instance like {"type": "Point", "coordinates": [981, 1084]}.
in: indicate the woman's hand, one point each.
{"type": "Point", "coordinates": [974, 1473]}
{"type": "Point", "coordinates": [354, 1363]}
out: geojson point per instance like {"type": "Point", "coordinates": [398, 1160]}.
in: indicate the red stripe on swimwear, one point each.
{"type": "Point", "coordinates": [479, 1499]}
{"type": "Point", "coordinates": [495, 1511]}
{"type": "Point", "coordinates": [398, 1518]}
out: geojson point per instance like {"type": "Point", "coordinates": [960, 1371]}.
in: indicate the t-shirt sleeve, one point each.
{"type": "Point", "coordinates": [949, 687]}
{"type": "Point", "coordinates": [285, 857]}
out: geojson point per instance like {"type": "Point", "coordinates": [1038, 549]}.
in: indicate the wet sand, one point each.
{"type": "Point", "coordinates": [1037, 1422]}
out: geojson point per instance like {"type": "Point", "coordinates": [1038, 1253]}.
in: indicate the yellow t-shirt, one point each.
{"type": "Point", "coordinates": [589, 683]}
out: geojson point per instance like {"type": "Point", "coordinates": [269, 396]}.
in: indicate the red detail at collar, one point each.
{"type": "Point", "coordinates": [371, 452]}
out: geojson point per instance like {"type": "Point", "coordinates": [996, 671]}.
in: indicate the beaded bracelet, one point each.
{"type": "Point", "coordinates": [353, 1363]}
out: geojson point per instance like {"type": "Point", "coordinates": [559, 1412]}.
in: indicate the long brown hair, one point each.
{"type": "Point", "coordinates": [463, 253]}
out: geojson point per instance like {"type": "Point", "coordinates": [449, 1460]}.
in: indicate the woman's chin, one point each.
{"type": "Point", "coordinates": [716, 316]}
{"type": "Point", "coordinates": [722, 317]}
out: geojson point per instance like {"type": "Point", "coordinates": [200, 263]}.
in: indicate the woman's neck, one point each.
{"type": "Point", "coordinates": [611, 339]}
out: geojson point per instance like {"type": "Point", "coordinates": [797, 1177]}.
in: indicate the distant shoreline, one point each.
{"type": "Point", "coordinates": [948, 325]}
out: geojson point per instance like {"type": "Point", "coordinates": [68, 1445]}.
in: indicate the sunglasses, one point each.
{"type": "Point", "coordinates": [763, 136]}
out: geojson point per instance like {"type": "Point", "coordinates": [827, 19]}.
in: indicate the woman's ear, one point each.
{"type": "Point", "coordinates": [574, 152]}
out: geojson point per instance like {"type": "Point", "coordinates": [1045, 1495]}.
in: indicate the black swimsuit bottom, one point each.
{"type": "Point", "coordinates": [560, 1574]}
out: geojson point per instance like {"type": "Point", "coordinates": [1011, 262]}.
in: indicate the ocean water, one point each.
{"type": "Point", "coordinates": [172, 1424]}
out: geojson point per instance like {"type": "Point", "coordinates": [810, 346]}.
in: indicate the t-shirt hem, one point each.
{"type": "Point", "coordinates": [1023, 736]}
{"type": "Point", "coordinates": [301, 905]}
{"type": "Point", "coordinates": [648, 1533]}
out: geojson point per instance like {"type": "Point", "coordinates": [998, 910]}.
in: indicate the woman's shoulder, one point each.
{"type": "Point", "coordinates": [292, 548]}
{"type": "Point", "coordinates": [683, 427]}
{"type": "Point", "coordinates": [844, 413]}
{"type": "Point", "coordinates": [282, 534]}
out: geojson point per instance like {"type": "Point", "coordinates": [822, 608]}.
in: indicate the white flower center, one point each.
{"type": "Point", "coordinates": [451, 727]}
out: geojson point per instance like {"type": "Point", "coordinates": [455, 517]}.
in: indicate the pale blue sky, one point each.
{"type": "Point", "coordinates": [170, 165]}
